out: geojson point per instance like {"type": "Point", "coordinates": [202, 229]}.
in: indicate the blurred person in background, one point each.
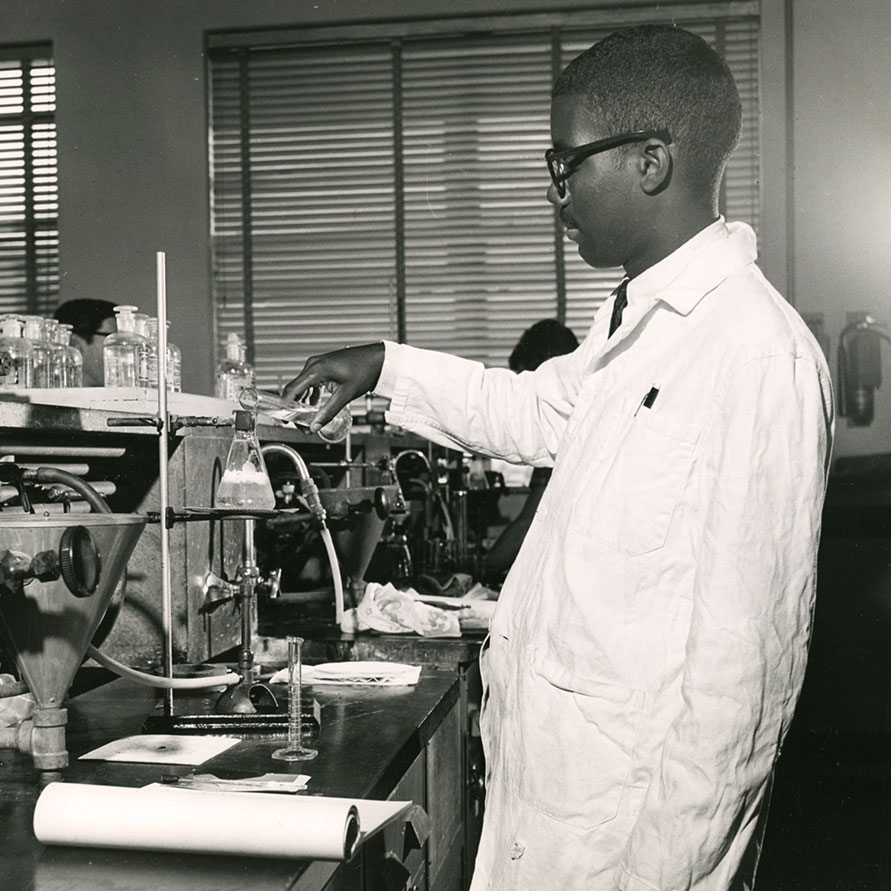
{"type": "Point", "coordinates": [91, 321]}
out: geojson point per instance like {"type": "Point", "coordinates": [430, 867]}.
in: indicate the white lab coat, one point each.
{"type": "Point", "coordinates": [650, 642]}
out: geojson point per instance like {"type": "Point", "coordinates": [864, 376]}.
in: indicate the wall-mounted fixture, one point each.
{"type": "Point", "coordinates": [859, 368]}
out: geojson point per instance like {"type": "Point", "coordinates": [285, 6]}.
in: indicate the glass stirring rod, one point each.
{"type": "Point", "coordinates": [295, 750]}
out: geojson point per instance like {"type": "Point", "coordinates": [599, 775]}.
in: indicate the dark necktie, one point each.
{"type": "Point", "coordinates": [621, 302]}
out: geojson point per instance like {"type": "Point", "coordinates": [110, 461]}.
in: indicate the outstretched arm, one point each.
{"type": "Point", "coordinates": [455, 402]}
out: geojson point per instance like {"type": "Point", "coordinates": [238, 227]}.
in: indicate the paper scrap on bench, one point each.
{"type": "Point", "coordinates": [163, 748]}
{"type": "Point", "coordinates": [268, 782]}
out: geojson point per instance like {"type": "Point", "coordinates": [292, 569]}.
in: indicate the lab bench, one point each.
{"type": "Point", "coordinates": [399, 743]}
{"type": "Point", "coordinates": [405, 743]}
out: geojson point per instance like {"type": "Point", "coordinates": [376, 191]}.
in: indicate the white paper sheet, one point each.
{"type": "Point", "coordinates": [166, 818]}
{"type": "Point", "coordinates": [163, 748]}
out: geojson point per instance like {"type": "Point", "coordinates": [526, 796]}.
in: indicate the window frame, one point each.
{"type": "Point", "coordinates": [40, 230]}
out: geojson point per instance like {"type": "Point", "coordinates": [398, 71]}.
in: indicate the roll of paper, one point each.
{"type": "Point", "coordinates": [165, 818]}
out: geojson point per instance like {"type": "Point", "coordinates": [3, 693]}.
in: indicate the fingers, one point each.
{"type": "Point", "coordinates": [328, 409]}
{"type": "Point", "coordinates": [307, 379]}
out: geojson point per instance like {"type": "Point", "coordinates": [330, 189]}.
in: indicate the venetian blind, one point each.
{"type": "Point", "coordinates": [395, 188]}
{"type": "Point", "coordinates": [29, 232]}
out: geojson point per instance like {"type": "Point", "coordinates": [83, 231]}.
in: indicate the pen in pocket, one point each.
{"type": "Point", "coordinates": [648, 400]}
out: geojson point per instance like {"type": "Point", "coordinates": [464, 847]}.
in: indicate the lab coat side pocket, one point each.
{"type": "Point", "coordinates": [629, 508]}
{"type": "Point", "coordinates": [577, 750]}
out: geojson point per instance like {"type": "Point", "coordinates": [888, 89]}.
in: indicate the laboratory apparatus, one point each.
{"type": "Point", "coordinates": [295, 750]}
{"type": "Point", "coordinates": [57, 576]}
{"type": "Point", "coordinates": [300, 413]}
{"type": "Point", "coordinates": [245, 482]}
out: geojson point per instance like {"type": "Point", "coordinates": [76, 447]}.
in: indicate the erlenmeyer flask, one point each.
{"type": "Point", "coordinates": [300, 413]}
{"type": "Point", "coordinates": [245, 482]}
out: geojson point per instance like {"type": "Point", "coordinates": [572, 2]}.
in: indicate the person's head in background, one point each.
{"type": "Point", "coordinates": [544, 340]}
{"type": "Point", "coordinates": [91, 321]}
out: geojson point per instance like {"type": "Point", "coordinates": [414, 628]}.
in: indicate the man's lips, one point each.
{"type": "Point", "coordinates": [572, 233]}
{"type": "Point", "coordinates": [570, 227]}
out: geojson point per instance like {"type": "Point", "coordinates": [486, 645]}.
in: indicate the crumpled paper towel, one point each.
{"type": "Point", "coordinates": [15, 709]}
{"type": "Point", "coordinates": [390, 611]}
{"type": "Point", "coordinates": [382, 674]}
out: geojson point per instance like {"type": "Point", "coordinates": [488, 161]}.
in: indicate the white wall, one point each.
{"type": "Point", "coordinates": [133, 150]}
{"type": "Point", "coordinates": [842, 178]}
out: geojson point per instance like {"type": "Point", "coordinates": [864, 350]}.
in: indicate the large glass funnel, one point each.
{"type": "Point", "coordinates": [356, 518]}
{"type": "Point", "coordinates": [57, 577]}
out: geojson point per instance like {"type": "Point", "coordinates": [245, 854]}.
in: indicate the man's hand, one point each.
{"type": "Point", "coordinates": [345, 373]}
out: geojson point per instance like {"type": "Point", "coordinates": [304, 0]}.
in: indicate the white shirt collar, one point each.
{"type": "Point", "coordinates": [698, 266]}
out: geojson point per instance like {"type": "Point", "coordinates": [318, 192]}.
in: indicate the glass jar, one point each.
{"type": "Point", "coordinates": [173, 369]}
{"type": "Point", "coordinates": [125, 352]}
{"type": "Point", "coordinates": [68, 362]}
{"type": "Point", "coordinates": [41, 352]}
{"type": "Point", "coordinates": [234, 373]}
{"type": "Point", "coordinates": [15, 354]}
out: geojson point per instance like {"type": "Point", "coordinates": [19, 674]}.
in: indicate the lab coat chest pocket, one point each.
{"type": "Point", "coordinates": [628, 502]}
{"type": "Point", "coordinates": [579, 777]}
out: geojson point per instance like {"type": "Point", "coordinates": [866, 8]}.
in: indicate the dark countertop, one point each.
{"type": "Point", "coordinates": [369, 737]}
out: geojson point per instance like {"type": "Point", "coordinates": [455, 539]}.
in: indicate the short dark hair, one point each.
{"type": "Point", "coordinates": [85, 315]}
{"type": "Point", "coordinates": [544, 340]}
{"type": "Point", "coordinates": [652, 77]}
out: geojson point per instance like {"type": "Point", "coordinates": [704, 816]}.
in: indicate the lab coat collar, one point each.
{"type": "Point", "coordinates": [697, 267]}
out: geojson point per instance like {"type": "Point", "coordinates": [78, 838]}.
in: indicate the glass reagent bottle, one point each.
{"type": "Point", "coordinates": [233, 372]}
{"type": "Point", "coordinates": [15, 354]}
{"type": "Point", "coordinates": [125, 351]}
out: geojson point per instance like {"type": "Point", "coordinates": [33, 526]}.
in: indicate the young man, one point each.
{"type": "Point", "coordinates": [650, 641]}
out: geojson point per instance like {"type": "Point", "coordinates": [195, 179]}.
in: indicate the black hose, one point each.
{"type": "Point", "coordinates": [82, 487]}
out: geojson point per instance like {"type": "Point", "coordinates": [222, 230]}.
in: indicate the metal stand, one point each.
{"type": "Point", "coordinates": [241, 698]}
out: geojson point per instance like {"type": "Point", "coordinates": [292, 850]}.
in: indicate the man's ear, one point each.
{"type": "Point", "coordinates": [656, 166]}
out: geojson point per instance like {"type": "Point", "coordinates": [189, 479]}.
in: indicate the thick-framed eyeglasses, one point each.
{"type": "Point", "coordinates": [562, 163]}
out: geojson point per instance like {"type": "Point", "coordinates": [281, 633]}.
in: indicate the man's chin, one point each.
{"type": "Point", "coordinates": [590, 257]}
{"type": "Point", "coordinates": [593, 258]}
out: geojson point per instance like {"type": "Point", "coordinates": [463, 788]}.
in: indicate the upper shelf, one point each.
{"type": "Point", "coordinates": [89, 409]}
